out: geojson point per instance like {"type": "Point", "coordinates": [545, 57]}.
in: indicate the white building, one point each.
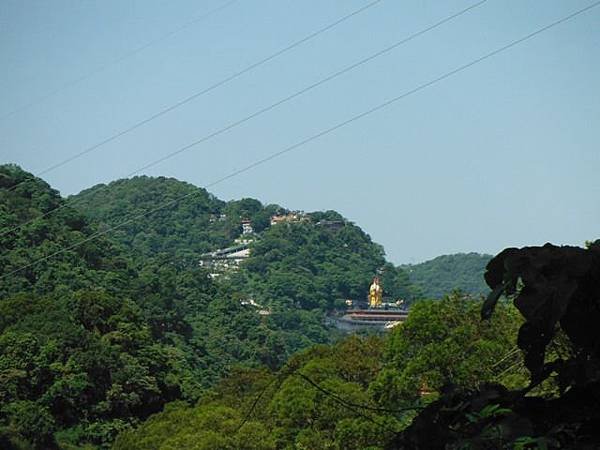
{"type": "Point", "coordinates": [247, 227]}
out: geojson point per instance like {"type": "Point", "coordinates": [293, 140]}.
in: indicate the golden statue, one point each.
{"type": "Point", "coordinates": [375, 293]}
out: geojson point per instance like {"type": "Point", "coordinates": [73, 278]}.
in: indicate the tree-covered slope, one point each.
{"type": "Point", "coordinates": [28, 233]}
{"type": "Point", "coordinates": [307, 264]}
{"type": "Point", "coordinates": [95, 337]}
{"type": "Point", "coordinates": [356, 394]}
{"type": "Point", "coordinates": [81, 355]}
{"type": "Point", "coordinates": [446, 273]}
{"type": "Point", "coordinates": [310, 264]}
{"type": "Point", "coordinates": [191, 222]}
{"type": "Point", "coordinates": [459, 373]}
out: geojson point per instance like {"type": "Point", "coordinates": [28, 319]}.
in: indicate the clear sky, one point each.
{"type": "Point", "coordinates": [505, 153]}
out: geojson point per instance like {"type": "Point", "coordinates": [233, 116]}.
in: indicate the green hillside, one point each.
{"type": "Point", "coordinates": [182, 230]}
{"type": "Point", "coordinates": [123, 340]}
{"type": "Point", "coordinates": [100, 335]}
{"type": "Point", "coordinates": [86, 347]}
{"type": "Point", "coordinates": [359, 393]}
{"type": "Point", "coordinates": [311, 265]}
{"type": "Point", "coordinates": [442, 275]}
{"type": "Point", "coordinates": [23, 199]}
{"type": "Point", "coordinates": [313, 262]}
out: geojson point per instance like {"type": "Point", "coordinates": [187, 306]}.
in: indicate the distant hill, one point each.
{"type": "Point", "coordinates": [184, 229]}
{"type": "Point", "coordinates": [310, 260]}
{"type": "Point", "coordinates": [445, 273]}
{"type": "Point", "coordinates": [28, 235]}
{"type": "Point", "coordinates": [100, 329]}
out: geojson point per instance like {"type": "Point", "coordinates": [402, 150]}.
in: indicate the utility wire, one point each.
{"type": "Point", "coordinates": [255, 402]}
{"type": "Point", "coordinates": [519, 363]}
{"type": "Point", "coordinates": [119, 59]}
{"type": "Point", "coordinates": [355, 405]}
{"type": "Point", "coordinates": [210, 88]}
{"type": "Point", "coordinates": [265, 109]}
{"type": "Point", "coordinates": [508, 355]}
{"type": "Point", "coordinates": [311, 138]}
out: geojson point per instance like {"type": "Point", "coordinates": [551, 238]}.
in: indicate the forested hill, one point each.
{"type": "Point", "coordinates": [109, 344]}
{"type": "Point", "coordinates": [311, 265]}
{"type": "Point", "coordinates": [445, 273]}
{"type": "Point", "coordinates": [193, 221]}
{"type": "Point", "coordinates": [87, 344]}
{"type": "Point", "coordinates": [26, 235]}
{"type": "Point", "coordinates": [312, 261]}
{"type": "Point", "coordinates": [99, 331]}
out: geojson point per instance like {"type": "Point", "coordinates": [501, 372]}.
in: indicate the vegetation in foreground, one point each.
{"type": "Point", "coordinates": [356, 394]}
{"type": "Point", "coordinates": [557, 290]}
{"type": "Point", "coordinates": [104, 334]}
{"type": "Point", "coordinates": [98, 340]}
{"type": "Point", "coordinates": [445, 379]}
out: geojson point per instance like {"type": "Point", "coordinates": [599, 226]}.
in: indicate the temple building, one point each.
{"type": "Point", "coordinates": [247, 227]}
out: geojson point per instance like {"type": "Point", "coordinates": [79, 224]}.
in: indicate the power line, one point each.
{"type": "Point", "coordinates": [267, 108]}
{"type": "Point", "coordinates": [356, 405]}
{"type": "Point", "coordinates": [509, 354]}
{"type": "Point", "coordinates": [311, 138]}
{"type": "Point", "coordinates": [210, 88]}
{"type": "Point", "coordinates": [519, 363]}
{"type": "Point", "coordinates": [255, 402]}
{"type": "Point", "coordinates": [119, 59]}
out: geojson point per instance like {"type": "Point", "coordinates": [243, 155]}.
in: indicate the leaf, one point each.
{"type": "Point", "coordinates": [490, 302]}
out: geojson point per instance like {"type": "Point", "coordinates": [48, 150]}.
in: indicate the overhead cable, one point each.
{"type": "Point", "coordinates": [117, 60]}
{"type": "Point", "coordinates": [314, 137]}
{"type": "Point", "coordinates": [261, 111]}
{"type": "Point", "coordinates": [206, 90]}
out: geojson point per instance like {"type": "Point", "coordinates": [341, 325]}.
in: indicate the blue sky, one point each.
{"type": "Point", "coordinates": [503, 154]}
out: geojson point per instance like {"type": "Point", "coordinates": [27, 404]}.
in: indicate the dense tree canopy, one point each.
{"type": "Point", "coordinates": [24, 200]}
{"type": "Point", "coordinates": [312, 265]}
{"type": "Point", "coordinates": [99, 331]}
{"type": "Point", "coordinates": [298, 270]}
{"type": "Point", "coordinates": [556, 290]}
{"type": "Point", "coordinates": [96, 337]}
{"type": "Point", "coordinates": [194, 221]}
{"type": "Point", "coordinates": [441, 275]}
{"type": "Point", "coordinates": [82, 354]}
{"type": "Point", "coordinates": [444, 343]}
{"type": "Point", "coordinates": [356, 394]}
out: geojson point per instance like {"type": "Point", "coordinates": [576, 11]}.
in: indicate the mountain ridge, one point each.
{"type": "Point", "coordinates": [445, 273]}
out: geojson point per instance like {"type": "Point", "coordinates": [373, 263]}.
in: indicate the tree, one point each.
{"type": "Point", "coordinates": [557, 290]}
{"type": "Point", "coordinates": [443, 343]}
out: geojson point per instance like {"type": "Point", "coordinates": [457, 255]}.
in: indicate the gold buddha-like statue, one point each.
{"type": "Point", "coordinates": [375, 293]}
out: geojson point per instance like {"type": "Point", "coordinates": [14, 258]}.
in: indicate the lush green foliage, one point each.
{"type": "Point", "coordinates": [100, 335]}
{"type": "Point", "coordinates": [557, 291]}
{"type": "Point", "coordinates": [82, 361]}
{"type": "Point", "coordinates": [444, 343]}
{"type": "Point", "coordinates": [258, 410]}
{"type": "Point", "coordinates": [359, 393]}
{"type": "Point", "coordinates": [297, 270]}
{"type": "Point", "coordinates": [313, 266]}
{"type": "Point", "coordinates": [351, 395]}
{"type": "Point", "coordinates": [23, 198]}
{"type": "Point", "coordinates": [87, 344]}
{"type": "Point", "coordinates": [441, 275]}
{"type": "Point", "coordinates": [194, 222]}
